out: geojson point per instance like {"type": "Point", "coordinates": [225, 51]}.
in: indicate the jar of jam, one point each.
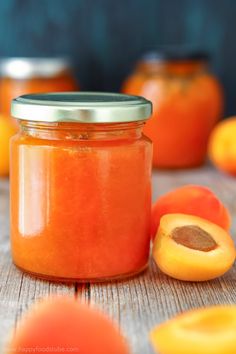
{"type": "Point", "coordinates": [80, 186]}
{"type": "Point", "coordinates": [187, 103]}
{"type": "Point", "coordinates": [33, 75]}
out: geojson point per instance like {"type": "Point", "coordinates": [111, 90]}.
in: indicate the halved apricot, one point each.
{"type": "Point", "coordinates": [64, 325]}
{"type": "Point", "coordinates": [192, 200]}
{"type": "Point", "coordinates": [192, 249]}
{"type": "Point", "coordinates": [208, 330]}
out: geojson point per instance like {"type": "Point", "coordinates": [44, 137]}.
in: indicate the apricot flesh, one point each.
{"type": "Point", "coordinates": [190, 248]}
{"type": "Point", "coordinates": [193, 200]}
{"type": "Point", "coordinates": [222, 146]}
{"type": "Point", "coordinates": [208, 330]}
{"type": "Point", "coordinates": [66, 325]}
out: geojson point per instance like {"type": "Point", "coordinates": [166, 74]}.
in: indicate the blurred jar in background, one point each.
{"type": "Point", "coordinates": [187, 102]}
{"type": "Point", "coordinates": [31, 75]}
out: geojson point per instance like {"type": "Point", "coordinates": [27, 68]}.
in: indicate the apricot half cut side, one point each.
{"type": "Point", "coordinates": [210, 330]}
{"type": "Point", "coordinates": [191, 248]}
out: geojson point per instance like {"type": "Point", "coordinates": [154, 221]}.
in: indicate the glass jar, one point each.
{"type": "Point", "coordinates": [187, 103]}
{"type": "Point", "coordinates": [80, 186]}
{"type": "Point", "coordinates": [33, 75]}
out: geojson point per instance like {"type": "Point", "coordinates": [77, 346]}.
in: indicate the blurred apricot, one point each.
{"type": "Point", "coordinates": [7, 130]}
{"type": "Point", "coordinates": [63, 325]}
{"type": "Point", "coordinates": [222, 146]}
{"type": "Point", "coordinates": [202, 331]}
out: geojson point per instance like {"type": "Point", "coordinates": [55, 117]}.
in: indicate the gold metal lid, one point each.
{"type": "Point", "coordinates": [29, 68]}
{"type": "Point", "coordinates": [81, 107]}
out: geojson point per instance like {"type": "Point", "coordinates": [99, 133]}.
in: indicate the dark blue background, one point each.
{"type": "Point", "coordinates": [106, 36]}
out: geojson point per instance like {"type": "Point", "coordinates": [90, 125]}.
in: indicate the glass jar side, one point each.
{"type": "Point", "coordinates": [185, 95]}
{"type": "Point", "coordinates": [80, 198]}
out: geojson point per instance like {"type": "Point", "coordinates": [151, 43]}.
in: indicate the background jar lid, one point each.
{"type": "Point", "coordinates": [81, 107]}
{"type": "Point", "coordinates": [29, 68]}
{"type": "Point", "coordinates": [175, 53]}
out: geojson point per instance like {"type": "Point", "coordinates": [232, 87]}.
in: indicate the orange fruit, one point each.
{"type": "Point", "coordinates": [190, 199]}
{"type": "Point", "coordinates": [7, 130]}
{"type": "Point", "coordinates": [222, 146]}
{"type": "Point", "coordinates": [65, 325]}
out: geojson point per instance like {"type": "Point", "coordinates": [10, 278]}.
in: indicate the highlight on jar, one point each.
{"type": "Point", "coordinates": [208, 330]}
{"type": "Point", "coordinates": [22, 75]}
{"type": "Point", "coordinates": [81, 186]}
{"type": "Point", "coordinates": [186, 96]}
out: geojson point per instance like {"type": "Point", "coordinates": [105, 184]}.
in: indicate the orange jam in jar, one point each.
{"type": "Point", "coordinates": [187, 103]}
{"type": "Point", "coordinates": [80, 186]}
{"type": "Point", "coordinates": [32, 75]}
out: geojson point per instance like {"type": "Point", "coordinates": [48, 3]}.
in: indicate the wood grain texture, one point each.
{"type": "Point", "coordinates": [136, 304]}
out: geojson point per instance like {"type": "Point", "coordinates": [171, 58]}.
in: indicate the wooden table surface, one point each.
{"type": "Point", "coordinates": [136, 304]}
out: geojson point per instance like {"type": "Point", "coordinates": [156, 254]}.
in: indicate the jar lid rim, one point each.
{"type": "Point", "coordinates": [81, 107]}
{"type": "Point", "coordinates": [175, 53]}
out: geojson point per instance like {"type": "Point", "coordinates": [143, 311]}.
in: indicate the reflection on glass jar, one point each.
{"type": "Point", "coordinates": [81, 186]}
{"type": "Point", "coordinates": [187, 102]}
{"type": "Point", "coordinates": [31, 75]}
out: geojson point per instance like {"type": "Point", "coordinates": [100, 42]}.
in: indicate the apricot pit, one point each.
{"type": "Point", "coordinates": [194, 237]}
{"type": "Point", "coordinates": [192, 249]}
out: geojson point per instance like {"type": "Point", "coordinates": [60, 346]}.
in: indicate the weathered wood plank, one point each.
{"type": "Point", "coordinates": [136, 304]}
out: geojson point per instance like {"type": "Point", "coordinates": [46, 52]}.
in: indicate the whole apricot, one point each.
{"type": "Point", "coordinates": [7, 129]}
{"type": "Point", "coordinates": [64, 325]}
{"type": "Point", "coordinates": [193, 200]}
{"type": "Point", "coordinates": [192, 249]}
{"type": "Point", "coordinates": [206, 330]}
{"type": "Point", "coordinates": [222, 146]}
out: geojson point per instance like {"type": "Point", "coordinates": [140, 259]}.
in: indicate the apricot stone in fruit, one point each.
{"type": "Point", "coordinates": [194, 237]}
{"type": "Point", "coordinates": [192, 249]}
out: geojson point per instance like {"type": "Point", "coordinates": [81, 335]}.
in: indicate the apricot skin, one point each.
{"type": "Point", "coordinates": [192, 200]}
{"type": "Point", "coordinates": [222, 146]}
{"type": "Point", "coordinates": [66, 323]}
{"type": "Point", "coordinates": [207, 330]}
{"type": "Point", "coordinates": [184, 263]}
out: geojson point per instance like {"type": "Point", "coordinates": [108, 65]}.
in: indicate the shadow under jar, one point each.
{"type": "Point", "coordinates": [80, 186]}
{"type": "Point", "coordinates": [187, 103]}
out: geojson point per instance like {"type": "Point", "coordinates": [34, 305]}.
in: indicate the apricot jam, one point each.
{"type": "Point", "coordinates": [187, 103]}
{"type": "Point", "coordinates": [80, 186]}
{"type": "Point", "coordinates": [33, 75]}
